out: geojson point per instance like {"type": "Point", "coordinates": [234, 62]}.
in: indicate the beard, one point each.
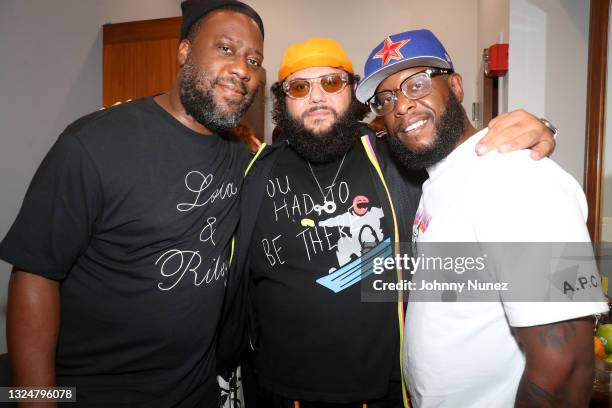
{"type": "Point", "coordinates": [199, 102]}
{"type": "Point", "coordinates": [328, 145]}
{"type": "Point", "coordinates": [447, 134]}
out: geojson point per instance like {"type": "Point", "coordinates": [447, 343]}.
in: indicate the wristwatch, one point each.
{"type": "Point", "coordinates": [553, 129]}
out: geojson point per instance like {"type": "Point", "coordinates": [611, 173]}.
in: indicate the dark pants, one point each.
{"type": "Point", "coordinates": [258, 397]}
{"type": "Point", "coordinates": [391, 400]}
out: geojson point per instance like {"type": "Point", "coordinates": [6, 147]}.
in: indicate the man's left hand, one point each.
{"type": "Point", "coordinates": [517, 130]}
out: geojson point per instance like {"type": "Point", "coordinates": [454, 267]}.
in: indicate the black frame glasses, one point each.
{"type": "Point", "coordinates": [416, 86]}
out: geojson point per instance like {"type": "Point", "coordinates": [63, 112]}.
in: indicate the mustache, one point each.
{"type": "Point", "coordinates": [319, 107]}
{"type": "Point", "coordinates": [231, 81]}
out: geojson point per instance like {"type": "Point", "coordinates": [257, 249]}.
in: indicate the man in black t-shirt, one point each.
{"type": "Point", "coordinates": [320, 203]}
{"type": "Point", "coordinates": [122, 246]}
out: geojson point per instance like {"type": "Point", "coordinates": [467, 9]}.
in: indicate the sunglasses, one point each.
{"type": "Point", "coordinates": [331, 84]}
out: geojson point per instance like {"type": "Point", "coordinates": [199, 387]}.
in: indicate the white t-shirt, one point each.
{"type": "Point", "coordinates": [463, 354]}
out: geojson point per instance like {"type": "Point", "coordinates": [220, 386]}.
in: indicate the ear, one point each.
{"type": "Point", "coordinates": [455, 83]}
{"type": "Point", "coordinates": [183, 51]}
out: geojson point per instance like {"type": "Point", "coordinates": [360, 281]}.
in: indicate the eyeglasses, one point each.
{"type": "Point", "coordinates": [331, 84]}
{"type": "Point", "coordinates": [414, 87]}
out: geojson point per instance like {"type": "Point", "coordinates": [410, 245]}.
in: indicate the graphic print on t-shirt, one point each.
{"type": "Point", "coordinates": [332, 233]}
{"type": "Point", "coordinates": [175, 263]}
{"type": "Point", "coordinates": [366, 238]}
{"type": "Point", "coordinates": [363, 224]}
{"type": "Point", "coordinates": [420, 223]}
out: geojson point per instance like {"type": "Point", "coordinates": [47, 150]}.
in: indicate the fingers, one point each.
{"type": "Point", "coordinates": [517, 130]}
{"type": "Point", "coordinates": [508, 118]}
{"type": "Point", "coordinates": [543, 149]}
{"type": "Point", "coordinates": [536, 155]}
{"type": "Point", "coordinates": [501, 130]}
{"type": "Point", "coordinates": [507, 138]}
{"type": "Point", "coordinates": [540, 148]}
{"type": "Point", "coordinates": [517, 138]}
{"type": "Point", "coordinates": [532, 139]}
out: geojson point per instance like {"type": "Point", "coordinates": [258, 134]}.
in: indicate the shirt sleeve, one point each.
{"type": "Point", "coordinates": [533, 214]}
{"type": "Point", "coordinates": [58, 214]}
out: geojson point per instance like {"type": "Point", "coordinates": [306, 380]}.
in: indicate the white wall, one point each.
{"type": "Point", "coordinates": [548, 70]}
{"type": "Point", "coordinates": [493, 28]}
{"type": "Point", "coordinates": [359, 25]}
{"type": "Point", "coordinates": [548, 66]}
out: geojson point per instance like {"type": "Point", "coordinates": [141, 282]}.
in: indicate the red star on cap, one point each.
{"type": "Point", "coordinates": [391, 50]}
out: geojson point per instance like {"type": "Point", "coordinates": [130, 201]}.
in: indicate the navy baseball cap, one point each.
{"type": "Point", "coordinates": [398, 52]}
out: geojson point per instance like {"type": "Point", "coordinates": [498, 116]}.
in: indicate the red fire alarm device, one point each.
{"type": "Point", "coordinates": [496, 60]}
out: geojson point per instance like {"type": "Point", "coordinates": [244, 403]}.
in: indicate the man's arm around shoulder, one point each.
{"type": "Point", "coordinates": [32, 328]}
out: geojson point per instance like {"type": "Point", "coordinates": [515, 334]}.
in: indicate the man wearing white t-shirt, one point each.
{"type": "Point", "coordinates": [474, 354]}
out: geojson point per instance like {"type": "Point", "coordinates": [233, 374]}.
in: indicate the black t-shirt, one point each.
{"type": "Point", "coordinates": [318, 340]}
{"type": "Point", "coordinates": [133, 213]}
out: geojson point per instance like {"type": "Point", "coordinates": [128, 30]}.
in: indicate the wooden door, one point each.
{"type": "Point", "coordinates": [139, 59]}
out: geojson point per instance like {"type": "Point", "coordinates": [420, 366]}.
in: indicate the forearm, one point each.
{"type": "Point", "coordinates": [32, 330]}
{"type": "Point", "coordinates": [559, 365]}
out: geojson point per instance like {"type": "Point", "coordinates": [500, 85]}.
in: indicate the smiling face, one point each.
{"type": "Point", "coordinates": [414, 122]}
{"type": "Point", "coordinates": [361, 205]}
{"type": "Point", "coordinates": [221, 69]}
{"type": "Point", "coordinates": [424, 131]}
{"type": "Point", "coordinates": [318, 111]}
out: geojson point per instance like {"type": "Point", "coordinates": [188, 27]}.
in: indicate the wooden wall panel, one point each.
{"type": "Point", "coordinates": [145, 30]}
{"type": "Point", "coordinates": [136, 69]}
{"type": "Point", "coordinates": [139, 59]}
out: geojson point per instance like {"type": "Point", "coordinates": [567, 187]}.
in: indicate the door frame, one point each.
{"type": "Point", "coordinates": [596, 114]}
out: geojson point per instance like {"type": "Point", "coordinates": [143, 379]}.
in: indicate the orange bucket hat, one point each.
{"type": "Point", "coordinates": [314, 52]}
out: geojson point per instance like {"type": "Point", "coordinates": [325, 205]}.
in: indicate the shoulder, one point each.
{"type": "Point", "coordinates": [516, 172]}
{"type": "Point", "coordinates": [114, 116]}
{"type": "Point", "coordinates": [515, 198]}
{"type": "Point", "coordinates": [111, 127]}
{"type": "Point", "coordinates": [239, 150]}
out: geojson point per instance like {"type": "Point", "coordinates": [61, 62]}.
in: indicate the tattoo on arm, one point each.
{"type": "Point", "coordinates": [566, 383]}
{"type": "Point", "coordinates": [557, 336]}
{"type": "Point", "coordinates": [531, 395]}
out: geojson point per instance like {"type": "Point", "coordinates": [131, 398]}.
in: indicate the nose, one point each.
{"type": "Point", "coordinates": [403, 104]}
{"type": "Point", "coordinates": [240, 69]}
{"type": "Point", "coordinates": [317, 94]}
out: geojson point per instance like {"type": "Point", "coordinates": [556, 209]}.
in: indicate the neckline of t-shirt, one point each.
{"type": "Point", "coordinates": [167, 116]}
{"type": "Point", "coordinates": [467, 148]}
